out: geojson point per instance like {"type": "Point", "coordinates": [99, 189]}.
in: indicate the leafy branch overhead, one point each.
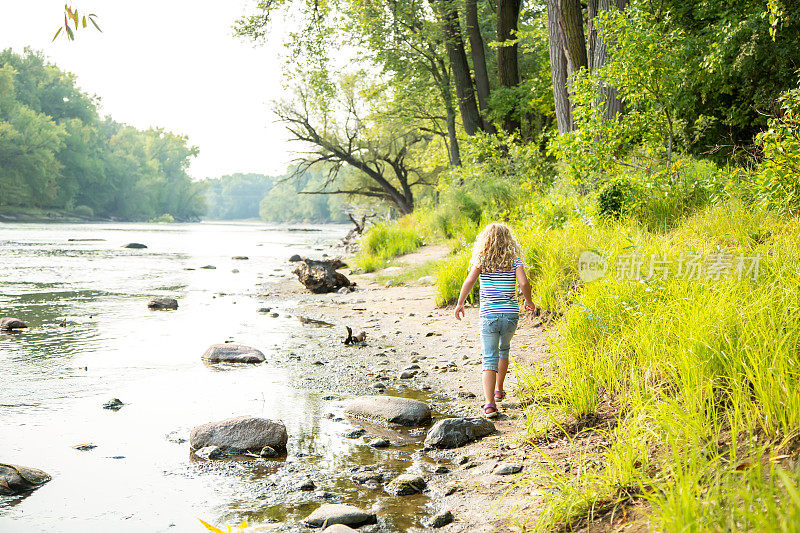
{"type": "Point", "coordinates": [71, 16]}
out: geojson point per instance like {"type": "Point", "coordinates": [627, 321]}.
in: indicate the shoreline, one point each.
{"type": "Point", "coordinates": [405, 330]}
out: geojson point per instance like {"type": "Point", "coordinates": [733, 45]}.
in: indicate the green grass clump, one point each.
{"type": "Point", "coordinates": [699, 377]}
{"type": "Point", "coordinates": [384, 241]}
{"type": "Point", "coordinates": [449, 278]}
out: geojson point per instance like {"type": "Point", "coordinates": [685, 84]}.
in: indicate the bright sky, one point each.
{"type": "Point", "coordinates": [173, 64]}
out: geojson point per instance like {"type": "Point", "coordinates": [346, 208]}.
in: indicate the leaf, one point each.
{"type": "Point", "coordinates": [70, 34]}
{"type": "Point", "coordinates": [57, 33]}
{"type": "Point", "coordinates": [789, 486]}
{"type": "Point", "coordinates": [94, 23]}
{"type": "Point", "coordinates": [210, 527]}
{"type": "Point", "coordinates": [83, 22]}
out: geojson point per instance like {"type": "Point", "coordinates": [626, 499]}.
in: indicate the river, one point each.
{"type": "Point", "coordinates": [55, 377]}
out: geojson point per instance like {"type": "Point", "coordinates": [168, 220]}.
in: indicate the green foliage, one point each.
{"type": "Point", "coordinates": [384, 241]}
{"type": "Point", "coordinates": [83, 211]}
{"type": "Point", "coordinates": [779, 176]}
{"type": "Point", "coordinates": [57, 153]}
{"type": "Point", "coordinates": [644, 66]}
{"type": "Point", "coordinates": [166, 218]}
{"type": "Point", "coordinates": [449, 278]}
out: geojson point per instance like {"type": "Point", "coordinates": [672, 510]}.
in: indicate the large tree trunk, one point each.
{"type": "Point", "coordinates": [454, 43]}
{"type": "Point", "coordinates": [598, 48]}
{"type": "Point", "coordinates": [558, 69]}
{"type": "Point", "coordinates": [478, 53]}
{"type": "Point", "coordinates": [570, 23]}
{"type": "Point", "coordinates": [507, 56]}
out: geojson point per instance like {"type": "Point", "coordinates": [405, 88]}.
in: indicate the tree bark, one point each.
{"type": "Point", "coordinates": [478, 53]}
{"type": "Point", "coordinates": [454, 44]}
{"type": "Point", "coordinates": [453, 151]}
{"type": "Point", "coordinates": [558, 69]}
{"type": "Point", "coordinates": [508, 55]}
{"type": "Point", "coordinates": [612, 105]}
{"type": "Point", "coordinates": [570, 23]}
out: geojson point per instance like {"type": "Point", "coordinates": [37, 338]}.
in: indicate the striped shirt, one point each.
{"type": "Point", "coordinates": [497, 292]}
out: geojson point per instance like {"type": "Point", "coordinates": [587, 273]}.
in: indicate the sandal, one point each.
{"type": "Point", "coordinates": [499, 395]}
{"type": "Point", "coordinates": [489, 410]}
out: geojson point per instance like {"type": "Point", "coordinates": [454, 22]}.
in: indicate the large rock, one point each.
{"type": "Point", "coordinates": [10, 323]}
{"type": "Point", "coordinates": [135, 245]}
{"type": "Point", "coordinates": [390, 409]}
{"type": "Point", "coordinates": [163, 304]}
{"type": "Point", "coordinates": [339, 513]}
{"type": "Point", "coordinates": [406, 484]}
{"type": "Point", "coordinates": [321, 276]}
{"type": "Point", "coordinates": [233, 353]}
{"type": "Point", "coordinates": [455, 432]}
{"type": "Point", "coordinates": [15, 479]}
{"type": "Point", "coordinates": [240, 434]}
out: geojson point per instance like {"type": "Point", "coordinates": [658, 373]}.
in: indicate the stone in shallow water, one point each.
{"type": "Point", "coordinates": [406, 484]}
{"type": "Point", "coordinates": [135, 245]}
{"type": "Point", "coordinates": [15, 478]}
{"type": "Point", "coordinates": [233, 353]}
{"type": "Point", "coordinates": [210, 452]}
{"type": "Point", "coordinates": [10, 323]}
{"type": "Point", "coordinates": [163, 304]}
{"type": "Point", "coordinates": [306, 485]}
{"type": "Point", "coordinates": [115, 404]}
{"type": "Point", "coordinates": [455, 432]}
{"type": "Point", "coordinates": [378, 443]}
{"type": "Point", "coordinates": [390, 409]}
{"type": "Point", "coordinates": [337, 513]}
{"type": "Point", "coordinates": [440, 519]}
{"type": "Point", "coordinates": [268, 451]}
{"type": "Point", "coordinates": [240, 434]}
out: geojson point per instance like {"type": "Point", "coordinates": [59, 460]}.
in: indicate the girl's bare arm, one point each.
{"type": "Point", "coordinates": [525, 287]}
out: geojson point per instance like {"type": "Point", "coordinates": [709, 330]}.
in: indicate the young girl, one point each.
{"type": "Point", "coordinates": [496, 261]}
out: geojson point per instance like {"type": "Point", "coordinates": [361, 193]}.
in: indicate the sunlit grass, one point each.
{"type": "Point", "coordinates": [384, 241]}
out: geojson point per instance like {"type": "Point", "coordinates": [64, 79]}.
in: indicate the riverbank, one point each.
{"type": "Point", "coordinates": [408, 334]}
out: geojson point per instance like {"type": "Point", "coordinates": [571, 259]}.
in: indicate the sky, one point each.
{"type": "Point", "coordinates": [173, 64]}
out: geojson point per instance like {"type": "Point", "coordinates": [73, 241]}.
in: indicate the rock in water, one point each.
{"type": "Point", "coordinates": [440, 520]}
{"type": "Point", "coordinates": [339, 513]}
{"type": "Point", "coordinates": [240, 258]}
{"type": "Point", "coordinates": [295, 258]}
{"type": "Point", "coordinates": [455, 432]}
{"type": "Point", "coordinates": [115, 404]}
{"type": "Point", "coordinates": [233, 353]}
{"type": "Point", "coordinates": [135, 245]}
{"type": "Point", "coordinates": [406, 484]}
{"type": "Point", "coordinates": [15, 479]}
{"type": "Point", "coordinates": [240, 434]}
{"type": "Point", "coordinates": [163, 304]}
{"type": "Point", "coordinates": [210, 452]}
{"type": "Point", "coordinates": [321, 276]}
{"type": "Point", "coordinates": [10, 323]}
{"type": "Point", "coordinates": [390, 409]}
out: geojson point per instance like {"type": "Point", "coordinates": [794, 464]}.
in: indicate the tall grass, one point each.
{"type": "Point", "coordinates": [703, 375]}
{"type": "Point", "coordinates": [386, 240]}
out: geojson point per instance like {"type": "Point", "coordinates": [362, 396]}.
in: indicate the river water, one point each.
{"type": "Point", "coordinates": [55, 377]}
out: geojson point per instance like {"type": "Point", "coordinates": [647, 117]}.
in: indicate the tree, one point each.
{"type": "Point", "coordinates": [507, 51]}
{"type": "Point", "coordinates": [478, 54]}
{"type": "Point", "coordinates": [379, 149]}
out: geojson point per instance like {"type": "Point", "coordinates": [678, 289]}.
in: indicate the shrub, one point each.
{"type": "Point", "coordinates": [778, 178]}
{"type": "Point", "coordinates": [165, 218]}
{"type": "Point", "coordinates": [386, 240]}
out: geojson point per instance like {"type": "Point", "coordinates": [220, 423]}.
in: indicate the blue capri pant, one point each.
{"type": "Point", "coordinates": [496, 332]}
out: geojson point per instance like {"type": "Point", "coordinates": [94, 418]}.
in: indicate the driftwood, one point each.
{"type": "Point", "coordinates": [321, 276]}
{"type": "Point", "coordinates": [354, 339]}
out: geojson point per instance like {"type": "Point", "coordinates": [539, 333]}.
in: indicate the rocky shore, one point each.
{"type": "Point", "coordinates": [415, 349]}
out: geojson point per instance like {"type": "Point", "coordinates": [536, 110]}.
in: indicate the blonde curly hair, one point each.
{"type": "Point", "coordinates": [495, 249]}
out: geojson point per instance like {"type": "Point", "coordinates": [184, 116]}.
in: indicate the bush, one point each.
{"type": "Point", "coordinates": [778, 179]}
{"type": "Point", "coordinates": [165, 218]}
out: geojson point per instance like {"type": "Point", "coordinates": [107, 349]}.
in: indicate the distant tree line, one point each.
{"type": "Point", "coordinates": [272, 198]}
{"type": "Point", "coordinates": [57, 153]}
